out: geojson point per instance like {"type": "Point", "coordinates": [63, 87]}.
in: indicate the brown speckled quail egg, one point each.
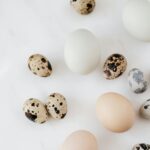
{"type": "Point", "coordinates": [39, 65]}
{"type": "Point", "coordinates": [145, 110]}
{"type": "Point", "coordinates": [35, 111]}
{"type": "Point", "coordinates": [57, 106]}
{"type": "Point", "coordinates": [114, 66]}
{"type": "Point", "coordinates": [141, 146]}
{"type": "Point", "coordinates": [83, 6]}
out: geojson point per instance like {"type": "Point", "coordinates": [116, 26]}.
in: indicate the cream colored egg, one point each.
{"type": "Point", "coordinates": [80, 140]}
{"type": "Point", "coordinates": [115, 112]}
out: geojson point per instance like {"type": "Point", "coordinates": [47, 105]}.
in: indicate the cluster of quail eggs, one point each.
{"type": "Point", "coordinates": [36, 111]}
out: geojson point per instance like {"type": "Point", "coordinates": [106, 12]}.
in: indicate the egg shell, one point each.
{"type": "Point", "coordinates": [115, 112]}
{"type": "Point", "coordinates": [35, 110]}
{"type": "Point", "coordinates": [80, 140]}
{"type": "Point", "coordinates": [83, 7]}
{"type": "Point", "coordinates": [114, 66]}
{"type": "Point", "coordinates": [141, 146]}
{"type": "Point", "coordinates": [57, 106]}
{"type": "Point", "coordinates": [145, 110]}
{"type": "Point", "coordinates": [82, 53]}
{"type": "Point", "coordinates": [39, 65]}
{"type": "Point", "coordinates": [136, 19]}
{"type": "Point", "coordinates": [137, 82]}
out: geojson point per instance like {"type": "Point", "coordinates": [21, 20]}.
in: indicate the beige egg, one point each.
{"type": "Point", "coordinates": [115, 112]}
{"type": "Point", "coordinates": [80, 140]}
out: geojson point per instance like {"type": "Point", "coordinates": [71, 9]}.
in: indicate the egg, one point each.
{"type": "Point", "coordinates": [137, 82]}
{"type": "Point", "coordinates": [141, 146]}
{"type": "Point", "coordinates": [83, 6]}
{"type": "Point", "coordinates": [80, 140]}
{"type": "Point", "coordinates": [136, 19]}
{"type": "Point", "coordinates": [115, 112]}
{"type": "Point", "coordinates": [145, 110]}
{"type": "Point", "coordinates": [82, 52]}
{"type": "Point", "coordinates": [39, 65]}
{"type": "Point", "coordinates": [114, 66]}
{"type": "Point", "coordinates": [35, 110]}
{"type": "Point", "coordinates": [57, 106]}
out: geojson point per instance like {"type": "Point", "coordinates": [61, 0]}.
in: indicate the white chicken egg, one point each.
{"type": "Point", "coordinates": [82, 52]}
{"type": "Point", "coordinates": [136, 19]}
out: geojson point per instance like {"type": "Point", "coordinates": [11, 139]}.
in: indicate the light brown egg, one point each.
{"type": "Point", "coordinates": [80, 140]}
{"type": "Point", "coordinates": [115, 112]}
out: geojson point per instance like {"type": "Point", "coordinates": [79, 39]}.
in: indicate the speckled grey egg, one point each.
{"type": "Point", "coordinates": [83, 6]}
{"type": "Point", "coordinates": [137, 82]}
{"type": "Point", "coordinates": [141, 146]}
{"type": "Point", "coordinates": [57, 106]}
{"type": "Point", "coordinates": [39, 65]}
{"type": "Point", "coordinates": [145, 110]}
{"type": "Point", "coordinates": [114, 66]}
{"type": "Point", "coordinates": [35, 111]}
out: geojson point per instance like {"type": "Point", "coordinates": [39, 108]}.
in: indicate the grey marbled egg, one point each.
{"type": "Point", "coordinates": [57, 106]}
{"type": "Point", "coordinates": [141, 146]}
{"type": "Point", "coordinates": [114, 66]}
{"type": "Point", "coordinates": [145, 110]}
{"type": "Point", "coordinates": [83, 6]}
{"type": "Point", "coordinates": [35, 111]}
{"type": "Point", "coordinates": [39, 65]}
{"type": "Point", "coordinates": [137, 82]}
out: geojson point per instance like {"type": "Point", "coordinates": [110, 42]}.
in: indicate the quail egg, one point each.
{"type": "Point", "coordinates": [57, 106]}
{"type": "Point", "coordinates": [83, 6]}
{"type": "Point", "coordinates": [39, 65]}
{"type": "Point", "coordinates": [145, 110]}
{"type": "Point", "coordinates": [114, 66]}
{"type": "Point", "coordinates": [137, 82]}
{"type": "Point", "coordinates": [35, 111]}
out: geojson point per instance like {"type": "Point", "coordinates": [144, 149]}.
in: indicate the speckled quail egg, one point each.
{"type": "Point", "coordinates": [141, 146]}
{"type": "Point", "coordinates": [137, 82]}
{"type": "Point", "coordinates": [83, 6]}
{"type": "Point", "coordinates": [39, 65]}
{"type": "Point", "coordinates": [57, 106]}
{"type": "Point", "coordinates": [145, 110]}
{"type": "Point", "coordinates": [35, 111]}
{"type": "Point", "coordinates": [114, 66]}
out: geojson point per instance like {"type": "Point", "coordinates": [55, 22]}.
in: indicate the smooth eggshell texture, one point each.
{"type": "Point", "coordinates": [115, 112]}
{"type": "Point", "coordinates": [80, 140]}
{"type": "Point", "coordinates": [82, 52]}
{"type": "Point", "coordinates": [136, 19]}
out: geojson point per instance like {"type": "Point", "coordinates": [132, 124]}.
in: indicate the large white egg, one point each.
{"type": "Point", "coordinates": [136, 19]}
{"type": "Point", "coordinates": [82, 52]}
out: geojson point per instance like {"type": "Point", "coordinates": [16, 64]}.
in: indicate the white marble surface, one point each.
{"type": "Point", "coordinates": [41, 26]}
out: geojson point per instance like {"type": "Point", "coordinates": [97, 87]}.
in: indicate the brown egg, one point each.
{"type": "Point", "coordinates": [115, 112]}
{"type": "Point", "coordinates": [80, 140]}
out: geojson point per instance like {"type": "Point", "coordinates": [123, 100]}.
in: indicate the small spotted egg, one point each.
{"type": "Point", "coordinates": [83, 6]}
{"type": "Point", "coordinates": [39, 65]}
{"type": "Point", "coordinates": [57, 106]}
{"type": "Point", "coordinates": [137, 82]}
{"type": "Point", "coordinates": [114, 66]}
{"type": "Point", "coordinates": [35, 111]}
{"type": "Point", "coordinates": [145, 110]}
{"type": "Point", "coordinates": [141, 146]}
